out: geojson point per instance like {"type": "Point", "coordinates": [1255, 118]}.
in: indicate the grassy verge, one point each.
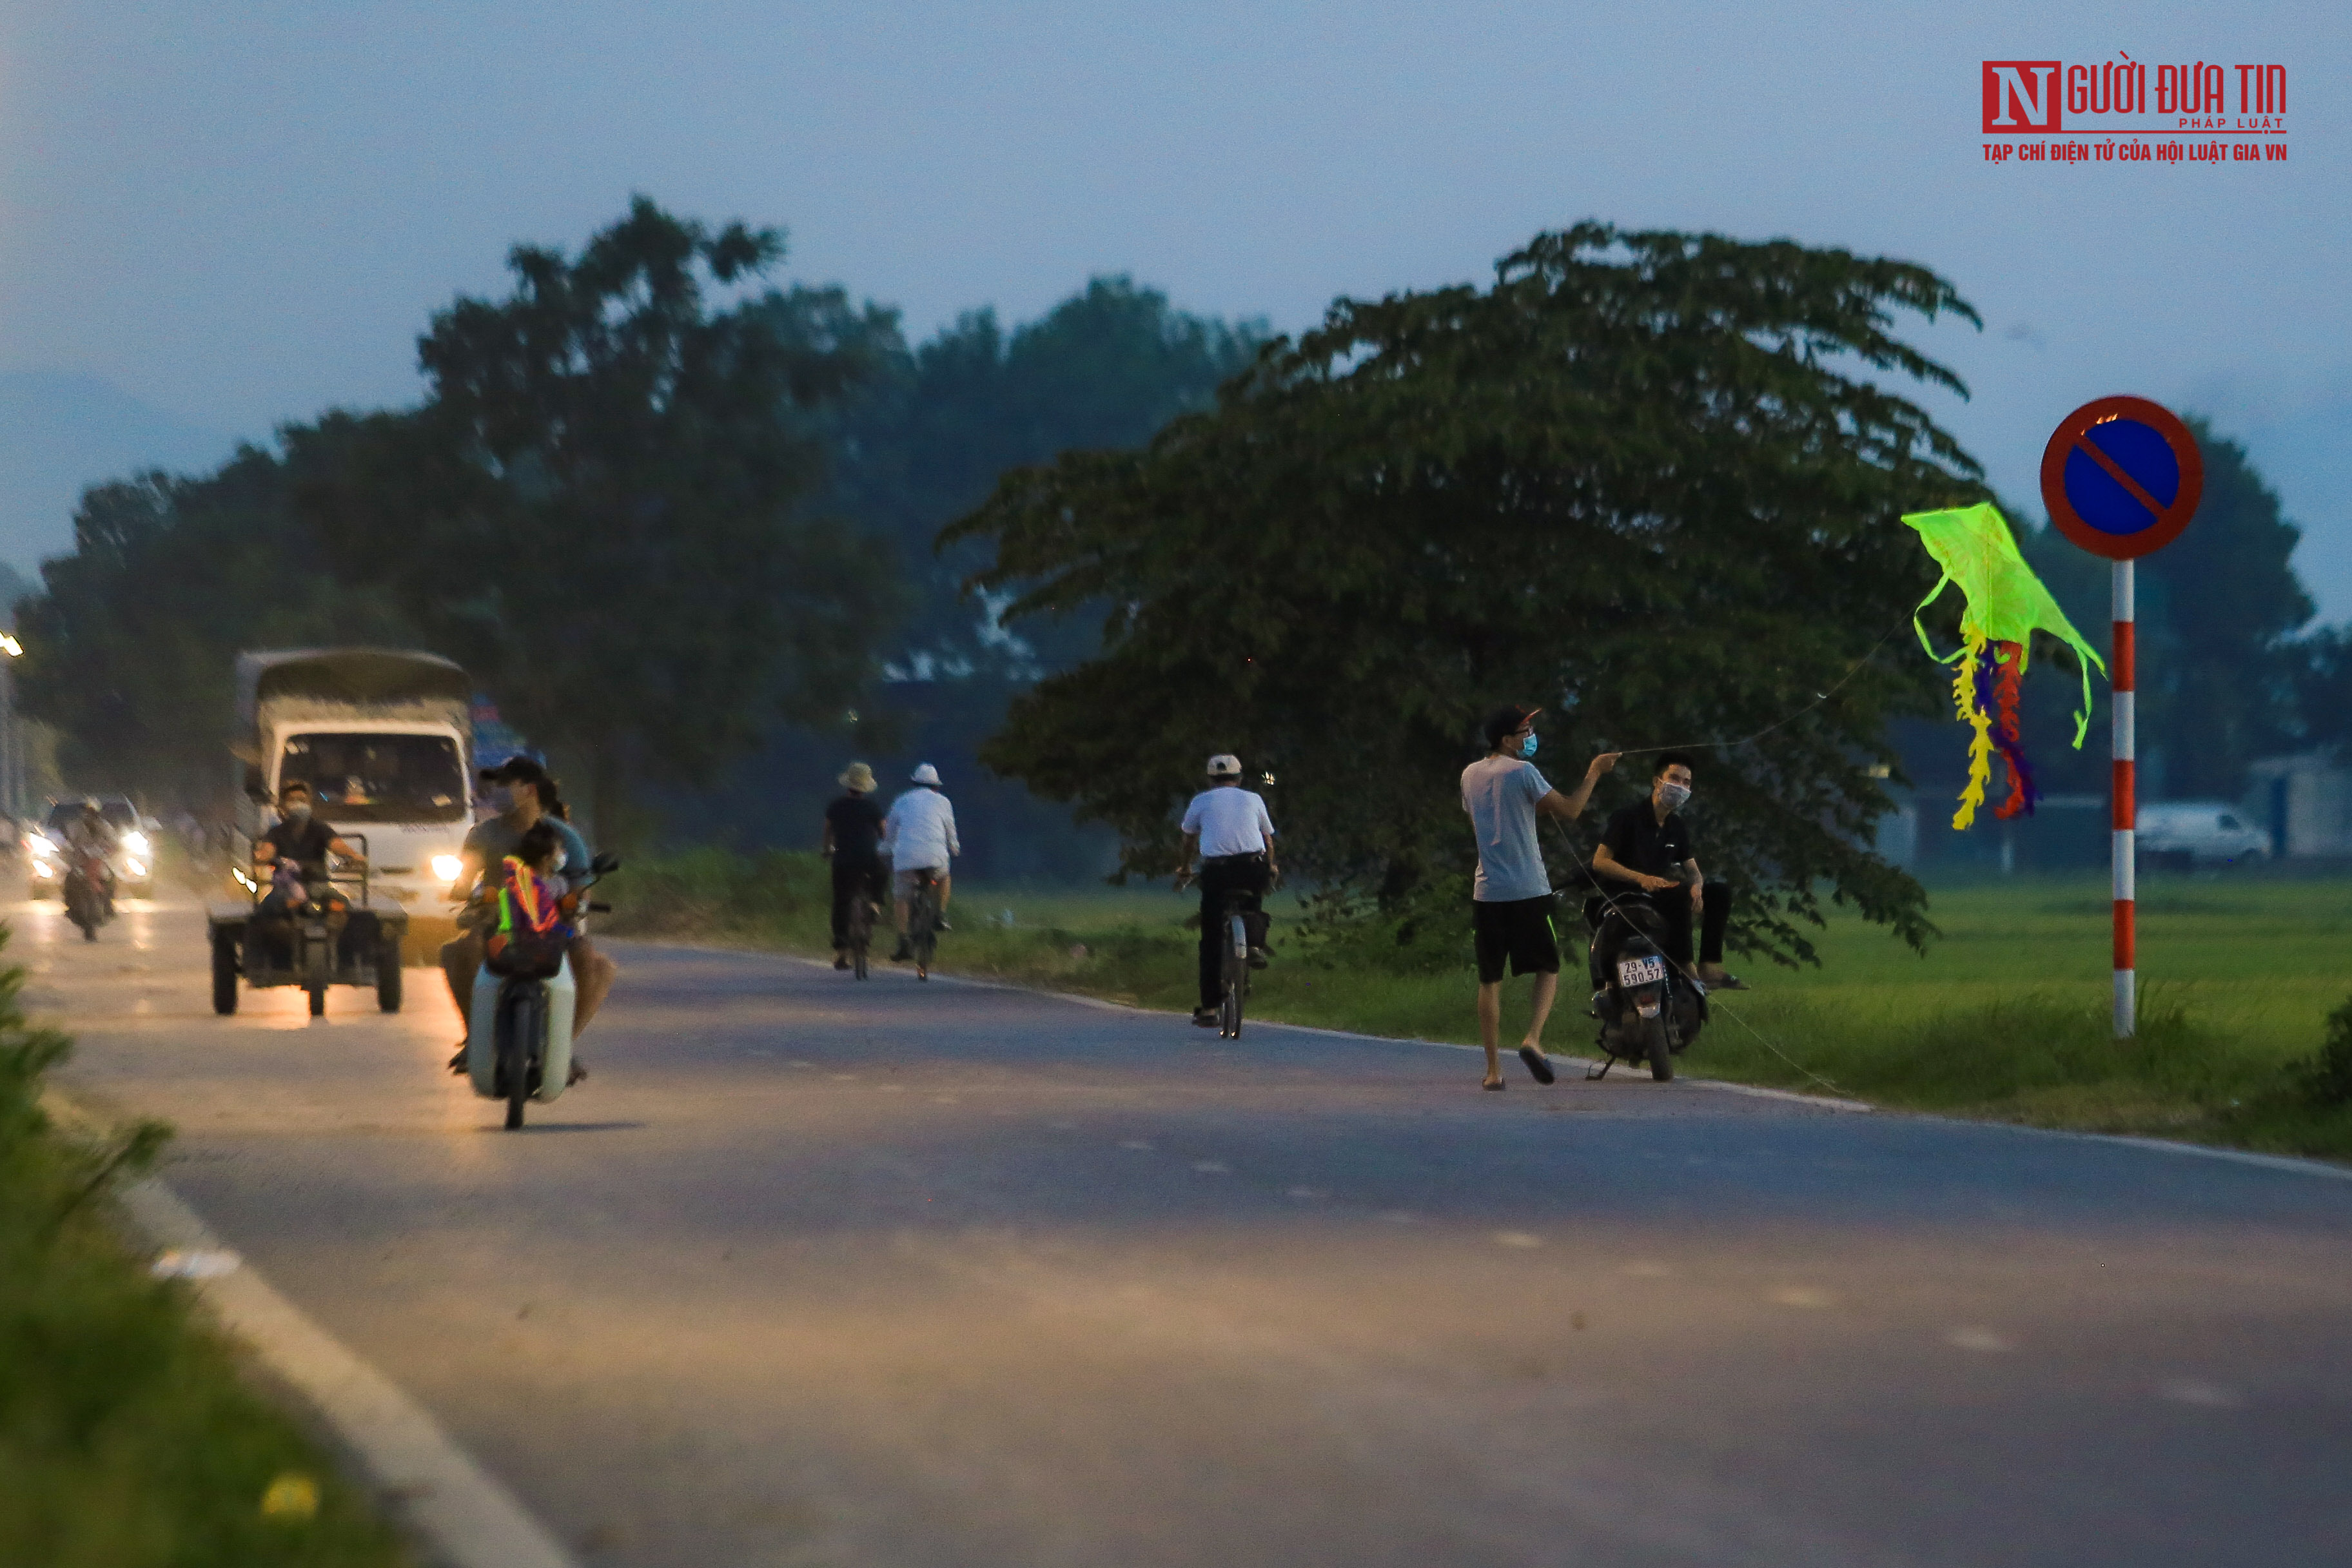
{"type": "Point", "coordinates": [127, 1435]}
{"type": "Point", "coordinates": [2007, 1016]}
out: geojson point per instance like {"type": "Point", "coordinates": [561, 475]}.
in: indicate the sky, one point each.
{"type": "Point", "coordinates": [217, 217]}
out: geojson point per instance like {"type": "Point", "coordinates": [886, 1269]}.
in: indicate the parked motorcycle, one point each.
{"type": "Point", "coordinates": [518, 1038]}
{"type": "Point", "coordinates": [1648, 1011]}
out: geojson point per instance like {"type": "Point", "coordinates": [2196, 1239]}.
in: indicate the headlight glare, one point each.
{"type": "Point", "coordinates": [446, 867]}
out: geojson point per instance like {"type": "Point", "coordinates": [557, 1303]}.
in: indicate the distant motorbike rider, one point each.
{"type": "Point", "coordinates": [919, 836]}
{"type": "Point", "coordinates": [301, 844]}
{"type": "Point", "coordinates": [90, 841]}
{"type": "Point", "coordinates": [527, 797]}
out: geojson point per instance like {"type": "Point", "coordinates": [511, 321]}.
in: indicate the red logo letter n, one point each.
{"type": "Point", "coordinates": [2020, 96]}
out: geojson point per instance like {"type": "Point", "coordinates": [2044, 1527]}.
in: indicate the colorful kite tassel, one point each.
{"type": "Point", "coordinates": [1980, 745]}
{"type": "Point", "coordinates": [2007, 659]}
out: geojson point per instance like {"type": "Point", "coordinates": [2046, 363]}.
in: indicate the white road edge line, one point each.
{"type": "Point", "coordinates": [420, 1475]}
{"type": "Point", "coordinates": [2285, 1162]}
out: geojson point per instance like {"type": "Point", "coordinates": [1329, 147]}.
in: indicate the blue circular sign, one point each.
{"type": "Point", "coordinates": [2122, 477]}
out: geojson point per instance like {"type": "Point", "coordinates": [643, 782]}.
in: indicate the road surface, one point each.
{"type": "Point", "coordinates": [816, 1272]}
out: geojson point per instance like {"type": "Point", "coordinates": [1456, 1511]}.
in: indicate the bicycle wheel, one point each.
{"type": "Point", "coordinates": [1235, 973]}
{"type": "Point", "coordinates": [924, 917]}
{"type": "Point", "coordinates": [861, 933]}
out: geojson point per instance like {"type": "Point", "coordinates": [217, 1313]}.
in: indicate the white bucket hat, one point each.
{"type": "Point", "coordinates": [925, 774]}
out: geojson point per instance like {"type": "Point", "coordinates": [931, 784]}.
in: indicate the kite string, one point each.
{"type": "Point", "coordinates": [1819, 698]}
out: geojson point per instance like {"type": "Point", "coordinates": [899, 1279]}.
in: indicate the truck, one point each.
{"type": "Point", "coordinates": [382, 738]}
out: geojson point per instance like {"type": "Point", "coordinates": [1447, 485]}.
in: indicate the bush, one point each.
{"type": "Point", "coordinates": [2326, 1078]}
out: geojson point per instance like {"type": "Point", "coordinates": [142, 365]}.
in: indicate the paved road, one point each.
{"type": "Point", "coordinates": [817, 1273]}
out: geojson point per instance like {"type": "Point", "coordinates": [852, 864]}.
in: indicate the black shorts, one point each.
{"type": "Point", "coordinates": [1519, 930]}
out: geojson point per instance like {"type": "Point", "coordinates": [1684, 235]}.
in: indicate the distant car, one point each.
{"type": "Point", "coordinates": [2187, 833]}
{"type": "Point", "coordinates": [136, 838]}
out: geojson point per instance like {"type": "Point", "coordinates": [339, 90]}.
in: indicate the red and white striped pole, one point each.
{"type": "Point", "coordinates": [2125, 683]}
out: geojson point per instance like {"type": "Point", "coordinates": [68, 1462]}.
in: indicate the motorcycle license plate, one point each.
{"type": "Point", "coordinates": [1641, 971]}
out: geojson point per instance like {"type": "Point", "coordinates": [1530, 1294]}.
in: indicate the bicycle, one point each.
{"type": "Point", "coordinates": [923, 920]}
{"type": "Point", "coordinates": [1234, 963]}
{"type": "Point", "coordinates": [863, 911]}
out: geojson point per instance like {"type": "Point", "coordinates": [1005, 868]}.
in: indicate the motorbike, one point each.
{"type": "Point", "coordinates": [1648, 1011]}
{"type": "Point", "coordinates": [87, 893]}
{"type": "Point", "coordinates": [519, 1037]}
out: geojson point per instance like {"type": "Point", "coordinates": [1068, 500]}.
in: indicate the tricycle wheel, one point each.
{"type": "Point", "coordinates": [387, 976]}
{"type": "Point", "coordinates": [224, 972]}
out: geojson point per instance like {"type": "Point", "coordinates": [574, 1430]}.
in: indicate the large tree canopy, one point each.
{"type": "Point", "coordinates": [1650, 480]}
{"type": "Point", "coordinates": [601, 509]}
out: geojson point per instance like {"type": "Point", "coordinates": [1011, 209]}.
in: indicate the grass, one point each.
{"type": "Point", "coordinates": [129, 1438]}
{"type": "Point", "coordinates": [2007, 1016]}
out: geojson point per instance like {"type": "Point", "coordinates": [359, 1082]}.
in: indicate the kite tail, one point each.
{"type": "Point", "coordinates": [1981, 746]}
{"type": "Point", "coordinates": [1996, 680]}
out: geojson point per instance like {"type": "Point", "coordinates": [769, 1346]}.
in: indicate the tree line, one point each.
{"type": "Point", "coordinates": [705, 536]}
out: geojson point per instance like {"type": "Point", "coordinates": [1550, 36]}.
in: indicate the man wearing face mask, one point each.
{"type": "Point", "coordinates": [519, 787]}
{"type": "Point", "coordinates": [303, 841]}
{"type": "Point", "coordinates": [1649, 844]}
{"type": "Point", "coordinates": [1511, 903]}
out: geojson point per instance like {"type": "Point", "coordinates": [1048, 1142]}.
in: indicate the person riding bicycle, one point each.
{"type": "Point", "coordinates": [1229, 826]}
{"type": "Point", "coordinates": [853, 842]}
{"type": "Point", "coordinates": [921, 833]}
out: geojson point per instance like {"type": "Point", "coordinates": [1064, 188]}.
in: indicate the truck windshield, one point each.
{"type": "Point", "coordinates": [378, 778]}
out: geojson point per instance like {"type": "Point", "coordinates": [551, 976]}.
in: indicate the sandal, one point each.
{"type": "Point", "coordinates": [1498, 1085]}
{"type": "Point", "coordinates": [1538, 1068]}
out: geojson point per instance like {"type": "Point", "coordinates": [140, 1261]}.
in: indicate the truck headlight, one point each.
{"type": "Point", "coordinates": [43, 869]}
{"type": "Point", "coordinates": [135, 868]}
{"type": "Point", "coordinates": [446, 867]}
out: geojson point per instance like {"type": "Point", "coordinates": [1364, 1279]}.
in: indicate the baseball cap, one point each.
{"type": "Point", "coordinates": [1503, 721]}
{"type": "Point", "coordinates": [1224, 766]}
{"type": "Point", "coordinates": [515, 770]}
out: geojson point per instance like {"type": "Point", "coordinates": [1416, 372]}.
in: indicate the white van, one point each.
{"type": "Point", "coordinates": [2200, 833]}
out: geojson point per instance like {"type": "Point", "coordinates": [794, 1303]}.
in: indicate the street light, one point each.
{"type": "Point", "coordinates": [12, 748]}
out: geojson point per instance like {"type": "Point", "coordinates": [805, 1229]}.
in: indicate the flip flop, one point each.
{"type": "Point", "coordinates": [1498, 1085]}
{"type": "Point", "coordinates": [1538, 1067]}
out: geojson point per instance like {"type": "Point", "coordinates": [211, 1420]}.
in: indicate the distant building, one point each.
{"type": "Point", "coordinates": [2305, 802]}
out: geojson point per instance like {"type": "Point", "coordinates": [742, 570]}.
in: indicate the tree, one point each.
{"type": "Point", "coordinates": [1649, 480]}
{"type": "Point", "coordinates": [131, 646]}
{"type": "Point", "coordinates": [602, 509]}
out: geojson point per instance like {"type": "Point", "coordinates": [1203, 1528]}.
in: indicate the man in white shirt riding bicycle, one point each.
{"type": "Point", "coordinates": [1230, 827]}
{"type": "Point", "coordinates": [918, 835]}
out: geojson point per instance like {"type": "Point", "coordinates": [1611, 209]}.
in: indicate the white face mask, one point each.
{"type": "Point", "coordinates": [1672, 796]}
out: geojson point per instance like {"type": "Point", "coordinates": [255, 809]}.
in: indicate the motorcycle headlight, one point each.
{"type": "Point", "coordinates": [43, 869]}
{"type": "Point", "coordinates": [135, 842]}
{"type": "Point", "coordinates": [446, 867]}
{"type": "Point", "coordinates": [135, 868]}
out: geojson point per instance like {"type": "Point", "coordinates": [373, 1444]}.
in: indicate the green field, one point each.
{"type": "Point", "coordinates": [2006, 1016]}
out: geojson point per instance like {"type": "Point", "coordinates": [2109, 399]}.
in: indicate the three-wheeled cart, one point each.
{"type": "Point", "coordinates": [305, 950]}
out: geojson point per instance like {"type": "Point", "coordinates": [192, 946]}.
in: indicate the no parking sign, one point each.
{"type": "Point", "coordinates": [2122, 477]}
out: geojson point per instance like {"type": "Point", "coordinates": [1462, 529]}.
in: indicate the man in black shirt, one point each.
{"type": "Point", "coordinates": [852, 840]}
{"type": "Point", "coordinates": [1649, 844]}
{"type": "Point", "coordinates": [303, 842]}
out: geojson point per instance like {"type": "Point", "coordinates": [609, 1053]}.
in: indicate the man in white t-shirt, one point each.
{"type": "Point", "coordinates": [1511, 904]}
{"type": "Point", "coordinates": [1229, 826]}
{"type": "Point", "coordinates": [919, 834]}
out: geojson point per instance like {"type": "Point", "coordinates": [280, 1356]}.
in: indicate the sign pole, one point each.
{"type": "Point", "coordinates": [2124, 673]}
{"type": "Point", "coordinates": [2122, 477]}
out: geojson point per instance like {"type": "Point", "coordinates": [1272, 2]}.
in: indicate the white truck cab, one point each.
{"type": "Point", "coordinates": [382, 738]}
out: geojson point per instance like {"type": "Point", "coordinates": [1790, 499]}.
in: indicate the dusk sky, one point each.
{"type": "Point", "coordinates": [217, 217]}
